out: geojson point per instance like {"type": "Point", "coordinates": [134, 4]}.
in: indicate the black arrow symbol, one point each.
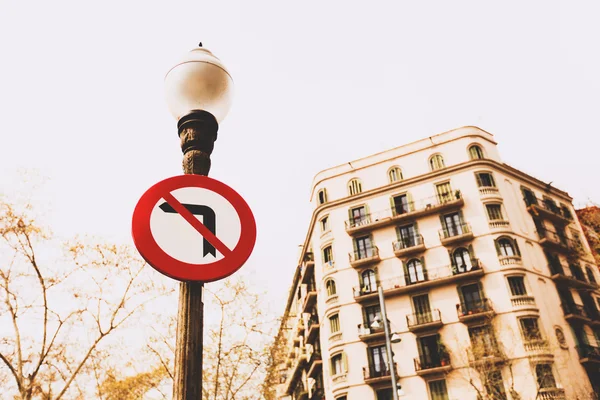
{"type": "Point", "coordinates": [209, 220]}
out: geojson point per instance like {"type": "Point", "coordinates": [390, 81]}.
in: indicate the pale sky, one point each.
{"type": "Point", "coordinates": [318, 83]}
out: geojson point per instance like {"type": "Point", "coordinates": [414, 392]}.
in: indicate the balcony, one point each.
{"type": "Point", "coordinates": [367, 334]}
{"type": "Point", "coordinates": [374, 375]}
{"type": "Point", "coordinates": [575, 279]}
{"type": "Point", "coordinates": [555, 241]}
{"type": "Point", "coordinates": [395, 215]}
{"type": "Point", "coordinates": [410, 245]}
{"type": "Point", "coordinates": [551, 394]}
{"type": "Point", "coordinates": [310, 299]}
{"type": "Point", "coordinates": [575, 313]}
{"type": "Point", "coordinates": [473, 311]}
{"type": "Point", "coordinates": [295, 372]}
{"type": "Point", "coordinates": [316, 388]}
{"type": "Point", "coordinates": [589, 354]}
{"type": "Point", "coordinates": [485, 356]}
{"type": "Point", "coordinates": [314, 364]}
{"type": "Point", "coordinates": [499, 225]}
{"type": "Point", "coordinates": [424, 321]}
{"type": "Point", "coordinates": [366, 257]}
{"type": "Point", "coordinates": [427, 278]}
{"type": "Point", "coordinates": [547, 210]}
{"type": "Point", "coordinates": [489, 192]}
{"type": "Point", "coordinates": [537, 347]}
{"type": "Point", "coordinates": [312, 328]}
{"type": "Point", "coordinates": [510, 260]}
{"type": "Point", "coordinates": [456, 234]}
{"type": "Point", "coordinates": [308, 267]}
{"type": "Point", "coordinates": [436, 364]}
{"type": "Point", "coordinates": [523, 302]}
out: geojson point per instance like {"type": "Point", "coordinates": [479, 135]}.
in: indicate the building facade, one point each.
{"type": "Point", "coordinates": [487, 280]}
{"type": "Point", "coordinates": [589, 217]}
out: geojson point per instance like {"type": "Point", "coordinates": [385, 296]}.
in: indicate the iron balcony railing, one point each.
{"type": "Point", "coordinates": [408, 242]}
{"type": "Point", "coordinates": [589, 352]}
{"type": "Point", "coordinates": [474, 307]}
{"type": "Point", "coordinates": [548, 206]}
{"type": "Point", "coordinates": [462, 268]}
{"type": "Point", "coordinates": [433, 361]}
{"type": "Point", "coordinates": [368, 253]}
{"type": "Point", "coordinates": [455, 230]}
{"type": "Point", "coordinates": [417, 319]}
{"type": "Point", "coordinates": [377, 371]}
{"type": "Point", "coordinates": [556, 238]}
{"type": "Point", "coordinates": [574, 309]}
{"type": "Point", "coordinates": [312, 320]}
{"type": "Point", "coordinates": [359, 221]}
{"type": "Point", "coordinates": [365, 289]}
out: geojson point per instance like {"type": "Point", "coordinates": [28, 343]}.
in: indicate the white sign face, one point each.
{"type": "Point", "coordinates": [182, 241]}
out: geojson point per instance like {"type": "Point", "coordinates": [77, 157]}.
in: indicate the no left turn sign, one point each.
{"type": "Point", "coordinates": [193, 228]}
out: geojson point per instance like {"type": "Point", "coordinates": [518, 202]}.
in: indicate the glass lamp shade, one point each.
{"type": "Point", "coordinates": [199, 81]}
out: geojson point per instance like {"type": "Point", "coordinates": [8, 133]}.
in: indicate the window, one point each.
{"type": "Point", "coordinates": [438, 390]}
{"type": "Point", "coordinates": [378, 361]}
{"type": "Point", "coordinates": [327, 255]}
{"type": "Point", "coordinates": [494, 385]}
{"type": "Point", "coordinates": [472, 298]}
{"type": "Point", "coordinates": [322, 196]}
{"type": "Point", "coordinates": [566, 212]}
{"type": "Point", "coordinates": [506, 247]}
{"type": "Point", "coordinates": [453, 225]}
{"type": "Point", "coordinates": [369, 282]}
{"type": "Point", "coordinates": [528, 196]}
{"type": "Point", "coordinates": [436, 162]}
{"type": "Point", "coordinates": [372, 313]}
{"type": "Point", "coordinates": [576, 238]}
{"type": "Point", "coordinates": [415, 272]}
{"type": "Point", "coordinates": [341, 398]}
{"type": "Point", "coordinates": [338, 364]}
{"type": "Point", "coordinates": [494, 212]}
{"type": "Point", "coordinates": [530, 329]}
{"type": "Point", "coordinates": [462, 260]}
{"type": "Point", "coordinates": [444, 192]}
{"type": "Point", "coordinates": [422, 309]}
{"type": "Point", "coordinates": [358, 215]}
{"type": "Point", "coordinates": [334, 323]}
{"type": "Point", "coordinates": [325, 224]}
{"type": "Point", "coordinates": [395, 174]}
{"type": "Point", "coordinates": [485, 179]}
{"type": "Point", "coordinates": [475, 152]}
{"type": "Point", "coordinates": [407, 236]}
{"type": "Point", "coordinates": [385, 394]}
{"type": "Point", "coordinates": [363, 247]}
{"type": "Point", "coordinates": [590, 275]}
{"type": "Point", "coordinates": [431, 355]}
{"type": "Point", "coordinates": [354, 187]}
{"type": "Point", "coordinates": [517, 285]}
{"type": "Point", "coordinates": [483, 341]}
{"type": "Point", "coordinates": [400, 204]}
{"type": "Point", "coordinates": [544, 375]}
{"type": "Point", "coordinates": [330, 287]}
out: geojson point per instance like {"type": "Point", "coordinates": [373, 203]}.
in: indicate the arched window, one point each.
{"type": "Point", "coordinates": [330, 287]}
{"type": "Point", "coordinates": [354, 187]}
{"type": "Point", "coordinates": [414, 271]}
{"type": "Point", "coordinates": [507, 247]}
{"type": "Point", "coordinates": [436, 162]}
{"type": "Point", "coordinates": [475, 152]}
{"type": "Point", "coordinates": [369, 281]}
{"type": "Point", "coordinates": [590, 275]}
{"type": "Point", "coordinates": [322, 196]}
{"type": "Point", "coordinates": [462, 260]}
{"type": "Point", "coordinates": [395, 174]}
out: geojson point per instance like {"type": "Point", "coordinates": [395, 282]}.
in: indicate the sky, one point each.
{"type": "Point", "coordinates": [317, 84]}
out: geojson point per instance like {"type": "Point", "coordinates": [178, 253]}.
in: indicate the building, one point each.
{"type": "Point", "coordinates": [590, 222]}
{"type": "Point", "coordinates": [487, 279]}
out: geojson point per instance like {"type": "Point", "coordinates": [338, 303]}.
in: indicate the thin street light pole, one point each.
{"type": "Point", "coordinates": [197, 133]}
{"type": "Point", "coordinates": [388, 344]}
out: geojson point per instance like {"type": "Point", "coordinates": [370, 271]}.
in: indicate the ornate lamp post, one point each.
{"type": "Point", "coordinates": [198, 92]}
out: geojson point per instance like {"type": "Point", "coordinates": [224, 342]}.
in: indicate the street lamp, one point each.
{"type": "Point", "coordinates": [198, 92]}
{"type": "Point", "coordinates": [388, 343]}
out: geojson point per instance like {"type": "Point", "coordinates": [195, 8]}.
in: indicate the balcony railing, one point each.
{"type": "Point", "coordinates": [552, 394]}
{"type": "Point", "coordinates": [381, 371]}
{"type": "Point", "coordinates": [509, 260]}
{"type": "Point", "coordinates": [405, 245]}
{"type": "Point", "coordinates": [522, 301]}
{"type": "Point", "coordinates": [488, 191]}
{"type": "Point", "coordinates": [536, 346]}
{"type": "Point", "coordinates": [362, 257]}
{"type": "Point", "coordinates": [470, 309]}
{"type": "Point", "coordinates": [548, 209]}
{"type": "Point", "coordinates": [428, 363]}
{"type": "Point", "coordinates": [552, 238]}
{"type": "Point", "coordinates": [574, 310]}
{"type": "Point", "coordinates": [427, 318]}
{"type": "Point", "coordinates": [499, 224]}
{"type": "Point", "coordinates": [556, 268]}
{"type": "Point", "coordinates": [453, 233]}
{"type": "Point", "coordinates": [365, 330]}
{"type": "Point", "coordinates": [590, 353]}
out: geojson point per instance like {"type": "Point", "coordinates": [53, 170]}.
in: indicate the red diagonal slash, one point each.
{"type": "Point", "coordinates": [194, 222]}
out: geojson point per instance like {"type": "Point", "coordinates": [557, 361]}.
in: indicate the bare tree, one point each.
{"type": "Point", "coordinates": [57, 308]}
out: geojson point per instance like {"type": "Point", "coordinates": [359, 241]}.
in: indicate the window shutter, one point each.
{"type": "Point", "coordinates": [498, 247]}
{"type": "Point", "coordinates": [376, 272]}
{"type": "Point", "coordinates": [416, 227]}
{"type": "Point", "coordinates": [398, 233]}
{"type": "Point", "coordinates": [492, 181]}
{"type": "Point", "coordinates": [516, 244]}
{"type": "Point", "coordinates": [366, 209]}
{"type": "Point", "coordinates": [443, 221]}
{"type": "Point", "coordinates": [424, 268]}
{"type": "Point", "coordinates": [354, 246]}
{"type": "Point", "coordinates": [350, 215]}
{"type": "Point", "coordinates": [345, 362]}
{"type": "Point", "coordinates": [411, 205]}
{"type": "Point", "coordinates": [392, 205]}
{"type": "Point", "coordinates": [471, 252]}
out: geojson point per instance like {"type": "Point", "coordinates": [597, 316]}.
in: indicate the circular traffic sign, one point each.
{"type": "Point", "coordinates": [171, 237]}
